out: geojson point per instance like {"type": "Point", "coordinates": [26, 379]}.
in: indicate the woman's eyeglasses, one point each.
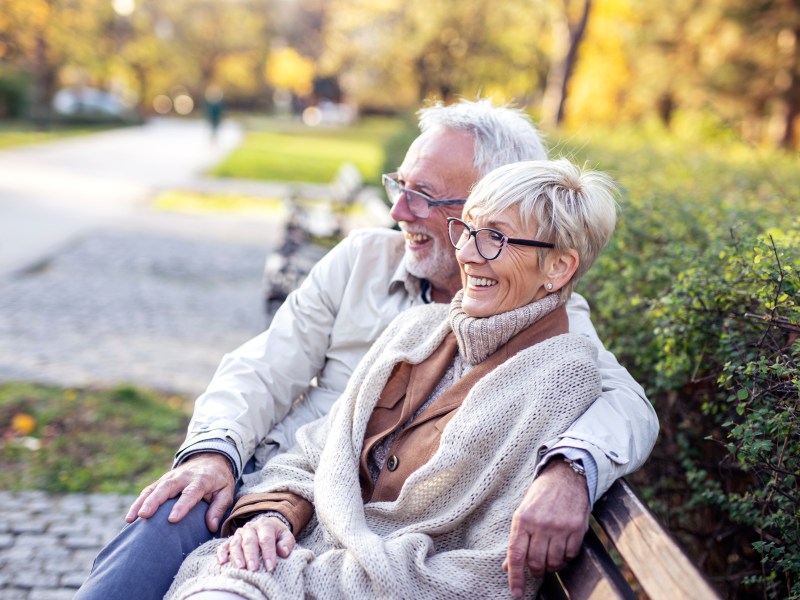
{"type": "Point", "coordinates": [488, 242]}
{"type": "Point", "coordinates": [418, 203]}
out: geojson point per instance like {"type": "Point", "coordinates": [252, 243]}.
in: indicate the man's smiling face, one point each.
{"type": "Point", "coordinates": [440, 164]}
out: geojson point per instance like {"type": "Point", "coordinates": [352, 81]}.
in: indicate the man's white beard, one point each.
{"type": "Point", "coordinates": [438, 266]}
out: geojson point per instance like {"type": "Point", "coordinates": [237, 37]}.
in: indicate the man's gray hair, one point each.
{"type": "Point", "coordinates": [502, 134]}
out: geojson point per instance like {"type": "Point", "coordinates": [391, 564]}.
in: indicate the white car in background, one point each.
{"type": "Point", "coordinates": [91, 104]}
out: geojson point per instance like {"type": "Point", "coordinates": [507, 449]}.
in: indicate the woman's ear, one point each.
{"type": "Point", "coordinates": [561, 267]}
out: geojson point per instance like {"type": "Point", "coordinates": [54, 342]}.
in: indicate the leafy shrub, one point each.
{"type": "Point", "coordinates": [729, 332]}
{"type": "Point", "coordinates": [698, 296]}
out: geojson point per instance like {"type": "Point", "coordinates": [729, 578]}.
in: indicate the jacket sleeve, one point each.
{"type": "Point", "coordinates": [255, 385]}
{"type": "Point", "coordinates": [294, 508]}
{"type": "Point", "coordinates": [619, 430]}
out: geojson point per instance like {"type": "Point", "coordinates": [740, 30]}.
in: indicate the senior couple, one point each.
{"type": "Point", "coordinates": [471, 439]}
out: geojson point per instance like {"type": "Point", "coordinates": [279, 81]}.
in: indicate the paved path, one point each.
{"type": "Point", "coordinates": [48, 543]}
{"type": "Point", "coordinates": [96, 287]}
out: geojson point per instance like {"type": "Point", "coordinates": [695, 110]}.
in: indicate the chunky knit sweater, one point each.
{"type": "Point", "coordinates": [446, 534]}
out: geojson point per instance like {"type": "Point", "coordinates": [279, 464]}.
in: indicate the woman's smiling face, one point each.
{"type": "Point", "coordinates": [511, 280]}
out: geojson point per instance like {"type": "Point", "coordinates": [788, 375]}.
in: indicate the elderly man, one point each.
{"type": "Point", "coordinates": [251, 409]}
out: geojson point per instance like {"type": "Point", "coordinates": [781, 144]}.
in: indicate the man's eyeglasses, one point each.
{"type": "Point", "coordinates": [488, 242]}
{"type": "Point", "coordinates": [418, 203]}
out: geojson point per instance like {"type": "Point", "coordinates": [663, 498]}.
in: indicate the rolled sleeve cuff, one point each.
{"type": "Point", "coordinates": [218, 445]}
{"type": "Point", "coordinates": [295, 509]}
{"type": "Point", "coordinates": [577, 455]}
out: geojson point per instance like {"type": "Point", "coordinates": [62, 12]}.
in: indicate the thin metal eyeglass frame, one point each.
{"type": "Point", "coordinates": [506, 240]}
{"type": "Point", "coordinates": [394, 189]}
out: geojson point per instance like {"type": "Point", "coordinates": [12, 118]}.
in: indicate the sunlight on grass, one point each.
{"type": "Point", "coordinates": [16, 133]}
{"type": "Point", "coordinates": [289, 151]}
{"type": "Point", "coordinates": [196, 202]}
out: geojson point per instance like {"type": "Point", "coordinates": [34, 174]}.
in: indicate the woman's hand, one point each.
{"type": "Point", "coordinates": [266, 536]}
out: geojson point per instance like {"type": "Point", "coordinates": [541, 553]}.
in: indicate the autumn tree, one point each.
{"type": "Point", "coordinates": [569, 26]}
{"type": "Point", "coordinates": [394, 54]}
{"type": "Point", "coordinates": [41, 36]}
{"type": "Point", "coordinates": [734, 63]}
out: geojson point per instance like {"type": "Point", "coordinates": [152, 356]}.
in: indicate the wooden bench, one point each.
{"type": "Point", "coordinates": [305, 233]}
{"type": "Point", "coordinates": [654, 566]}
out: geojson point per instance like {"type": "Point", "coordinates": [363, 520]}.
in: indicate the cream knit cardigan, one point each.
{"type": "Point", "coordinates": [446, 534]}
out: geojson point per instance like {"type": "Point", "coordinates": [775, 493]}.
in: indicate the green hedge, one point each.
{"type": "Point", "coordinates": [698, 296]}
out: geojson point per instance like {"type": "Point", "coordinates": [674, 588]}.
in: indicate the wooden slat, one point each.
{"type": "Point", "coordinates": [656, 560]}
{"type": "Point", "coordinates": [593, 574]}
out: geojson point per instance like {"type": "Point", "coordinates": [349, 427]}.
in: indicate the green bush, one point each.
{"type": "Point", "coordinates": [13, 94]}
{"type": "Point", "coordinates": [698, 296]}
{"type": "Point", "coordinates": [729, 332]}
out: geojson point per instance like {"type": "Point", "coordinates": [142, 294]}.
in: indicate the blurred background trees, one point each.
{"type": "Point", "coordinates": [712, 64]}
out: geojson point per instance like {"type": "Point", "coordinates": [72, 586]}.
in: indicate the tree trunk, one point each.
{"type": "Point", "coordinates": [568, 36]}
{"type": "Point", "coordinates": [43, 85]}
{"type": "Point", "coordinates": [791, 101]}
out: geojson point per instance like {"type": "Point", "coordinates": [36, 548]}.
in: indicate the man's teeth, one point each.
{"type": "Point", "coordinates": [417, 237]}
{"type": "Point", "coordinates": [481, 281]}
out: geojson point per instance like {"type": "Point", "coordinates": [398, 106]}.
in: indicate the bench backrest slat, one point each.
{"type": "Point", "coordinates": [655, 559]}
{"type": "Point", "coordinates": [592, 575]}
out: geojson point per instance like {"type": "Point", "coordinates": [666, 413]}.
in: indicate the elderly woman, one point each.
{"type": "Point", "coordinates": [407, 488]}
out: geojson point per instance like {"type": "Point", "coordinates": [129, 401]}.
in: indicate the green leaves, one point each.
{"type": "Point", "coordinates": [697, 295]}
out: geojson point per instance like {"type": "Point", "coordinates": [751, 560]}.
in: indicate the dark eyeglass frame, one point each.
{"type": "Point", "coordinates": [506, 240]}
{"type": "Point", "coordinates": [394, 190]}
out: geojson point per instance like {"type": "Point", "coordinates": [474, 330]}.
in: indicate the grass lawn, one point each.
{"type": "Point", "coordinates": [196, 202]}
{"type": "Point", "coordinates": [281, 150]}
{"type": "Point", "coordinates": [87, 440]}
{"type": "Point", "coordinates": [19, 133]}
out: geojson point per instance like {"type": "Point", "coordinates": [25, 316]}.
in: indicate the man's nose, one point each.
{"type": "Point", "coordinates": [400, 210]}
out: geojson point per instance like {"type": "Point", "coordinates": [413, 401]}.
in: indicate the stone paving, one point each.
{"type": "Point", "coordinates": [48, 543]}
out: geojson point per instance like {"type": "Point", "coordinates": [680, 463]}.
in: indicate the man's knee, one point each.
{"type": "Point", "coordinates": [141, 561]}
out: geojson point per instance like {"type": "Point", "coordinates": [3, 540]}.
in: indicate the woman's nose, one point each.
{"type": "Point", "coordinates": [469, 251]}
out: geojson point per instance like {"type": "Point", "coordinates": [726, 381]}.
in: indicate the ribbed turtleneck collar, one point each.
{"type": "Point", "coordinates": [478, 338]}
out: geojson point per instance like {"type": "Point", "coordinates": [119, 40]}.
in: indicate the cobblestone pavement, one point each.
{"type": "Point", "coordinates": [48, 543]}
{"type": "Point", "coordinates": [114, 306]}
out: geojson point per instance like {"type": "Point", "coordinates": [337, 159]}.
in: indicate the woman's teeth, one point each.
{"type": "Point", "coordinates": [481, 281]}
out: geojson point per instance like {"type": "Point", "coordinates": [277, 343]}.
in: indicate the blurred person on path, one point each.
{"type": "Point", "coordinates": [214, 109]}
{"type": "Point", "coordinates": [292, 373]}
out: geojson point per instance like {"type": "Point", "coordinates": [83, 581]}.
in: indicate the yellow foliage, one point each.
{"type": "Point", "coordinates": [602, 76]}
{"type": "Point", "coordinates": [238, 72]}
{"type": "Point", "coordinates": [287, 69]}
{"type": "Point", "coordinates": [23, 423]}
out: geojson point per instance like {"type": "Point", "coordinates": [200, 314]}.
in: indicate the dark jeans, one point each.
{"type": "Point", "coordinates": [141, 561]}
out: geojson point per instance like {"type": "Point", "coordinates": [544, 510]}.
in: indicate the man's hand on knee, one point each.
{"type": "Point", "coordinates": [203, 476]}
{"type": "Point", "coordinates": [548, 527]}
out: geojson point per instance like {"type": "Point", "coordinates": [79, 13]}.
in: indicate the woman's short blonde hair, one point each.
{"type": "Point", "coordinates": [558, 201]}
